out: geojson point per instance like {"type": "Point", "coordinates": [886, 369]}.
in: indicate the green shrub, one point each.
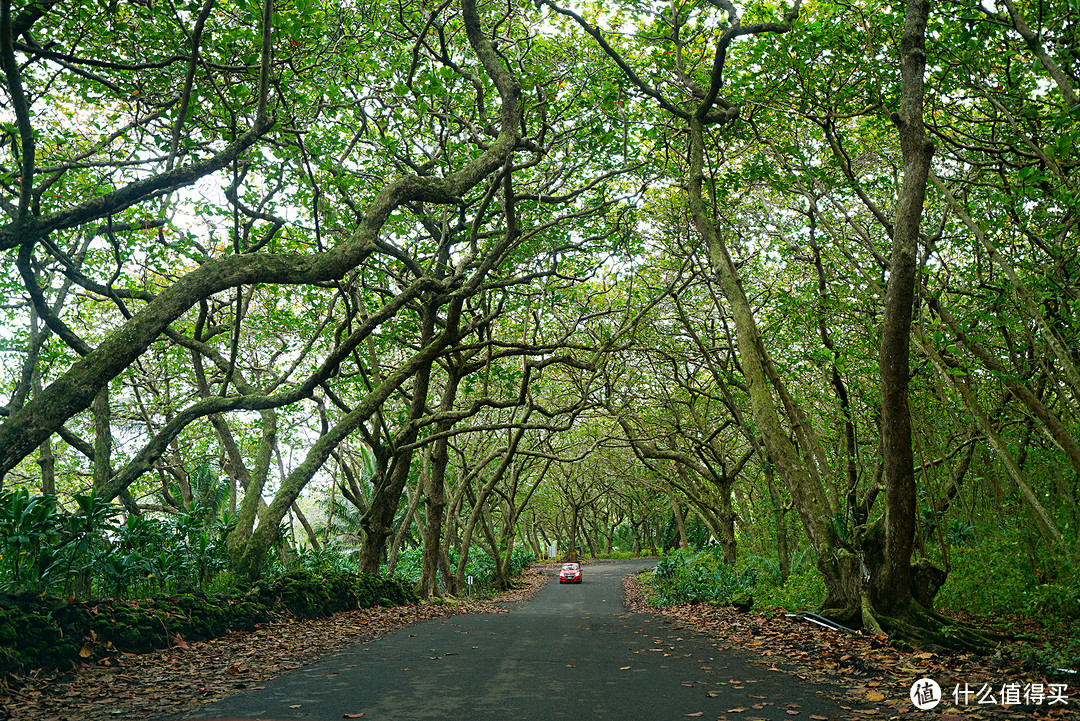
{"type": "Point", "coordinates": [520, 559]}
{"type": "Point", "coordinates": [480, 566]}
{"type": "Point", "coordinates": [689, 576]}
{"type": "Point", "coordinates": [997, 579]}
{"type": "Point", "coordinates": [616, 555]}
{"type": "Point", "coordinates": [46, 548]}
{"type": "Point", "coordinates": [1046, 659]}
{"type": "Point", "coordinates": [803, 591]}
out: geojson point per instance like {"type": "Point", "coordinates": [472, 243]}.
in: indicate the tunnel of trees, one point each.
{"type": "Point", "coordinates": [405, 284]}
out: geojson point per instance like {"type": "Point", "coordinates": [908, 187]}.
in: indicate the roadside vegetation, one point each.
{"type": "Point", "coordinates": [419, 290]}
{"type": "Point", "coordinates": [1038, 623]}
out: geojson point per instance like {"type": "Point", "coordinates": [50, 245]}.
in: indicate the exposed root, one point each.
{"type": "Point", "coordinates": [920, 627]}
{"type": "Point", "coordinates": [869, 620]}
{"type": "Point", "coordinates": [917, 627]}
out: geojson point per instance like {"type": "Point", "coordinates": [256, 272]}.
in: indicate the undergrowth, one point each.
{"type": "Point", "coordinates": [689, 576]}
{"type": "Point", "coordinates": [993, 585]}
{"type": "Point", "coordinates": [1003, 584]}
{"type": "Point", "coordinates": [480, 566]}
{"type": "Point", "coordinates": [692, 576]}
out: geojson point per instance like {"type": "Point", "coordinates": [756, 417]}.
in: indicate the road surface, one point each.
{"type": "Point", "coordinates": [573, 652]}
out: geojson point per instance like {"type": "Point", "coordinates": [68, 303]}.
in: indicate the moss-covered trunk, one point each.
{"type": "Point", "coordinates": [435, 493]}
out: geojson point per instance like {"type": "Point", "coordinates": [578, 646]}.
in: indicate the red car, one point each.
{"type": "Point", "coordinates": [570, 573]}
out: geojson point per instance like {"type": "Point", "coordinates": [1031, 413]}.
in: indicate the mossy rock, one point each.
{"type": "Point", "coordinates": [51, 631]}
{"type": "Point", "coordinates": [309, 596]}
{"type": "Point", "coordinates": [32, 634]}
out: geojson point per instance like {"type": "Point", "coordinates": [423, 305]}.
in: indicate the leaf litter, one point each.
{"type": "Point", "coordinates": [869, 678]}
{"type": "Point", "coordinates": [187, 675]}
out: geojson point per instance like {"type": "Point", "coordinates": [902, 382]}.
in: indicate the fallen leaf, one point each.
{"type": "Point", "coordinates": [875, 696]}
{"type": "Point", "coordinates": [735, 710]}
{"type": "Point", "coordinates": [295, 705]}
{"type": "Point", "coordinates": [624, 668]}
{"type": "Point", "coordinates": [352, 715]}
{"type": "Point", "coordinates": [699, 713]}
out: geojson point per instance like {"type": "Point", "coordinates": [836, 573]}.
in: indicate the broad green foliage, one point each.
{"type": "Point", "coordinates": [687, 576]}
{"type": "Point", "coordinates": [85, 551]}
{"type": "Point", "coordinates": [701, 576]}
{"type": "Point", "coordinates": [1001, 578]}
{"type": "Point", "coordinates": [28, 534]}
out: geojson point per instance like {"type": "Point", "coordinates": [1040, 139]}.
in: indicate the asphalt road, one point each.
{"type": "Point", "coordinates": [573, 652]}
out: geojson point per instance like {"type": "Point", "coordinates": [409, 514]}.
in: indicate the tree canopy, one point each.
{"type": "Point", "coordinates": [469, 276]}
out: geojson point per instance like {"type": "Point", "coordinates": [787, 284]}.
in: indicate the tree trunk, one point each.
{"type": "Point", "coordinates": [783, 548]}
{"type": "Point", "coordinates": [575, 513]}
{"type": "Point", "coordinates": [435, 492]}
{"type": "Point", "coordinates": [892, 586]}
{"type": "Point", "coordinates": [47, 461]}
{"type": "Point", "coordinates": [899, 596]}
{"type": "Point", "coordinates": [802, 482]}
{"type": "Point", "coordinates": [482, 496]}
{"type": "Point", "coordinates": [589, 531]}
{"type": "Point", "coordinates": [378, 522]}
{"type": "Point", "coordinates": [406, 522]}
{"type": "Point", "coordinates": [248, 552]}
{"type": "Point", "coordinates": [679, 520]}
{"type": "Point", "coordinates": [1043, 521]}
{"type": "Point", "coordinates": [102, 438]}
{"type": "Point", "coordinates": [312, 537]}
